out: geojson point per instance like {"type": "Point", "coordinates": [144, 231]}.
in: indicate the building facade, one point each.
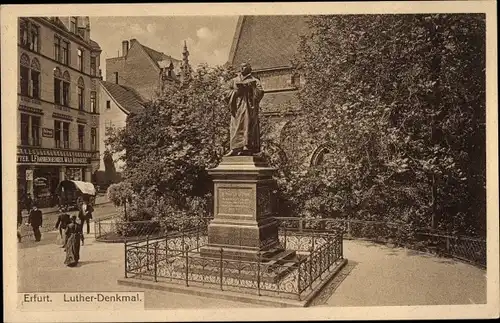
{"type": "Point", "coordinates": [117, 103]}
{"type": "Point", "coordinates": [57, 108]}
{"type": "Point", "coordinates": [143, 69]}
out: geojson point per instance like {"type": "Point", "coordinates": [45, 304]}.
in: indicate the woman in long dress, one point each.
{"type": "Point", "coordinates": [74, 236]}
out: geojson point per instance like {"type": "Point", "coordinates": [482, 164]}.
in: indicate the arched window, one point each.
{"type": "Point", "coordinates": [24, 74]}
{"type": "Point", "coordinates": [65, 88]}
{"type": "Point", "coordinates": [81, 94]}
{"type": "Point", "coordinates": [57, 73]}
{"type": "Point", "coordinates": [66, 76]}
{"type": "Point", "coordinates": [35, 64]}
{"type": "Point", "coordinates": [35, 78]}
{"type": "Point", "coordinates": [57, 85]}
{"type": "Point", "coordinates": [321, 154]}
{"type": "Point", "coordinates": [25, 60]}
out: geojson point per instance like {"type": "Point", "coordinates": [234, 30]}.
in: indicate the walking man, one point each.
{"type": "Point", "coordinates": [35, 219]}
{"type": "Point", "coordinates": [62, 222]}
{"type": "Point", "coordinates": [85, 215]}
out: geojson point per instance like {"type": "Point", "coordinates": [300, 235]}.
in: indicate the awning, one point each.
{"type": "Point", "coordinates": [85, 187]}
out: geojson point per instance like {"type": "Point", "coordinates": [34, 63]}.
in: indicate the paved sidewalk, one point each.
{"type": "Point", "coordinates": [376, 275]}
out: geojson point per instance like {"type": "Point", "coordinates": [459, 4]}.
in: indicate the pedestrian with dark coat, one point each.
{"type": "Point", "coordinates": [62, 222]}
{"type": "Point", "coordinates": [35, 220]}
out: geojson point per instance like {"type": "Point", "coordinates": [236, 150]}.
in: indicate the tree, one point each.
{"type": "Point", "coordinates": [399, 100]}
{"type": "Point", "coordinates": [121, 194]}
{"type": "Point", "coordinates": [169, 145]}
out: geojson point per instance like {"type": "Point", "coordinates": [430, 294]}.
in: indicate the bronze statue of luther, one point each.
{"type": "Point", "coordinates": [243, 96]}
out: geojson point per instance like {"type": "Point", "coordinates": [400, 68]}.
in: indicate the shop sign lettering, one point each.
{"type": "Point", "coordinates": [52, 159]}
{"type": "Point", "coordinates": [47, 132]}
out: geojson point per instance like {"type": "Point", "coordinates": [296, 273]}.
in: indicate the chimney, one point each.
{"type": "Point", "coordinates": [125, 47]}
{"type": "Point", "coordinates": [116, 77]}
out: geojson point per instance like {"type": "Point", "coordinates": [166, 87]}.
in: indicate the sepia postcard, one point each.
{"type": "Point", "coordinates": [250, 161]}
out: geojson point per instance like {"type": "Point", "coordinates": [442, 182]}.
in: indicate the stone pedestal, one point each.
{"type": "Point", "coordinates": [244, 210]}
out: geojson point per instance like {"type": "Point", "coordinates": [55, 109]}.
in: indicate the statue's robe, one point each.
{"type": "Point", "coordinates": [244, 108]}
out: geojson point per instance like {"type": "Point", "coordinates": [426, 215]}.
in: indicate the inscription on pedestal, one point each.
{"type": "Point", "coordinates": [235, 200]}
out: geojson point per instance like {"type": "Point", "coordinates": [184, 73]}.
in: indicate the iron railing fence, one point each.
{"type": "Point", "coordinates": [117, 230]}
{"type": "Point", "coordinates": [176, 258]}
{"type": "Point", "coordinates": [470, 249]}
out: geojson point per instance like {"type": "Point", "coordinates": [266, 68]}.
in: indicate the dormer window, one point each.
{"type": "Point", "coordinates": [73, 24]}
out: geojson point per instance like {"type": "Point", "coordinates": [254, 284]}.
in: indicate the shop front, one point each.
{"type": "Point", "coordinates": [41, 170]}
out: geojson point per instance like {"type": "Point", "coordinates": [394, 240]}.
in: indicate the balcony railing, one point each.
{"type": "Point", "coordinates": [31, 142]}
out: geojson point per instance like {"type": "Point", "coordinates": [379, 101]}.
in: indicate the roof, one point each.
{"type": "Point", "coordinates": [267, 41]}
{"type": "Point", "coordinates": [126, 97]}
{"type": "Point", "coordinates": [157, 57]}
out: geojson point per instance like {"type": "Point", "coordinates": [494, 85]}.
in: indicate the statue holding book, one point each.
{"type": "Point", "coordinates": [243, 96]}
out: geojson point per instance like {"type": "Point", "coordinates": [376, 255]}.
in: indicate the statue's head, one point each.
{"type": "Point", "coordinates": [246, 69]}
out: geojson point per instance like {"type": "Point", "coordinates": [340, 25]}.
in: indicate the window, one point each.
{"type": "Point", "coordinates": [65, 52]}
{"type": "Point", "coordinates": [29, 35]}
{"type": "Point", "coordinates": [35, 131]}
{"type": "Point", "coordinates": [93, 105]}
{"type": "Point", "coordinates": [35, 30]}
{"type": "Point", "coordinates": [108, 104]}
{"type": "Point", "coordinates": [93, 139]}
{"type": "Point", "coordinates": [35, 80]}
{"type": "Point", "coordinates": [73, 24]}
{"type": "Point", "coordinates": [81, 137]}
{"type": "Point", "coordinates": [65, 135]}
{"type": "Point", "coordinates": [57, 133]}
{"type": "Point", "coordinates": [25, 129]}
{"type": "Point", "coordinates": [57, 49]}
{"type": "Point", "coordinates": [81, 96]}
{"type": "Point", "coordinates": [57, 91]}
{"type": "Point", "coordinates": [25, 81]}
{"type": "Point", "coordinates": [80, 59]}
{"type": "Point", "coordinates": [23, 33]}
{"type": "Point", "coordinates": [93, 66]}
{"type": "Point", "coordinates": [65, 93]}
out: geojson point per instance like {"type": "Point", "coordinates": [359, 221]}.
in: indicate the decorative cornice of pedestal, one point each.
{"type": "Point", "coordinates": [242, 166]}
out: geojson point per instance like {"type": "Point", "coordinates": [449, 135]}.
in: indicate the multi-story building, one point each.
{"type": "Point", "coordinates": [131, 80]}
{"type": "Point", "coordinates": [117, 103]}
{"type": "Point", "coordinates": [144, 69]}
{"type": "Point", "coordinates": [58, 115]}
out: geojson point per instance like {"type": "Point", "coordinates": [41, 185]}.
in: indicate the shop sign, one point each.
{"type": "Point", "coordinates": [29, 174]}
{"type": "Point", "coordinates": [52, 159]}
{"type": "Point", "coordinates": [40, 181]}
{"type": "Point", "coordinates": [47, 132]}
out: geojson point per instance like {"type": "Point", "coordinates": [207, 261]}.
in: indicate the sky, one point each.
{"type": "Point", "coordinates": [208, 38]}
